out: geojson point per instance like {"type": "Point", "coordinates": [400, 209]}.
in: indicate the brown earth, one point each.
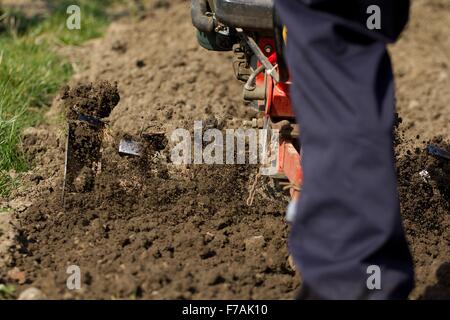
{"type": "Point", "coordinates": [91, 100]}
{"type": "Point", "coordinates": [421, 62]}
{"type": "Point", "coordinates": [150, 229]}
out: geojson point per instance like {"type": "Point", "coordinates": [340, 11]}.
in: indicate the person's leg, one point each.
{"type": "Point", "coordinates": [348, 213]}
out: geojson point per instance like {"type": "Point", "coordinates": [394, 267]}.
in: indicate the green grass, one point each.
{"type": "Point", "coordinates": [4, 210]}
{"type": "Point", "coordinates": [94, 18]}
{"type": "Point", "coordinates": [31, 71]}
{"type": "Point", "coordinates": [7, 291]}
{"type": "Point", "coordinates": [29, 75]}
{"type": "Point", "coordinates": [7, 183]}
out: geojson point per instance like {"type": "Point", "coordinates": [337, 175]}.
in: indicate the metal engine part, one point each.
{"type": "Point", "coordinates": [246, 14]}
{"type": "Point", "coordinates": [83, 154]}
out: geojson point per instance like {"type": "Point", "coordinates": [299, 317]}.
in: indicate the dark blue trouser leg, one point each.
{"type": "Point", "coordinates": [348, 215]}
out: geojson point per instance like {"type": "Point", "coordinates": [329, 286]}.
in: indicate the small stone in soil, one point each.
{"type": "Point", "coordinates": [140, 63]}
{"type": "Point", "coordinates": [32, 294]}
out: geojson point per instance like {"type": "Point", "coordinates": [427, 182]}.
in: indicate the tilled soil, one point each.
{"type": "Point", "coordinates": [164, 233]}
{"type": "Point", "coordinates": [424, 186]}
{"type": "Point", "coordinates": [150, 229]}
{"type": "Point", "coordinates": [421, 62]}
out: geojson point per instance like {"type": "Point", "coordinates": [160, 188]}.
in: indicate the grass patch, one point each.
{"type": "Point", "coordinates": [94, 19]}
{"type": "Point", "coordinates": [7, 291]}
{"type": "Point", "coordinates": [29, 75]}
{"type": "Point", "coordinates": [2, 211]}
{"type": "Point", "coordinates": [7, 183]}
{"type": "Point", "coordinates": [31, 72]}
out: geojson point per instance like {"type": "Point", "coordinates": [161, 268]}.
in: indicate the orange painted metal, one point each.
{"type": "Point", "coordinates": [278, 105]}
{"type": "Point", "coordinates": [289, 163]}
{"type": "Point", "coordinates": [281, 101]}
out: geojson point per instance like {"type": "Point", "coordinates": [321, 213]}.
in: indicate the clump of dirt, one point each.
{"type": "Point", "coordinates": [95, 100]}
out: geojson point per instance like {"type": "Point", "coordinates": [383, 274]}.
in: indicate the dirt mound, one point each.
{"type": "Point", "coordinates": [95, 100]}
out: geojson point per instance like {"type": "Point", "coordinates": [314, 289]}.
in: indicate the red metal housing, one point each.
{"type": "Point", "coordinates": [277, 105]}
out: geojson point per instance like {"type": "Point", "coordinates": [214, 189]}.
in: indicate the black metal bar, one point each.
{"type": "Point", "coordinates": [437, 152]}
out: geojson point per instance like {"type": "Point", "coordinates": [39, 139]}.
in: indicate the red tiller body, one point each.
{"type": "Point", "coordinates": [277, 106]}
